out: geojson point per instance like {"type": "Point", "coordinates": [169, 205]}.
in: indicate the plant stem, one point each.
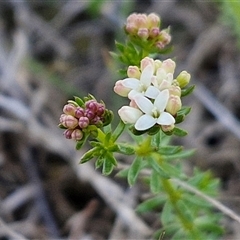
{"type": "Point", "coordinates": [118, 131]}
{"type": "Point", "coordinates": [174, 197]}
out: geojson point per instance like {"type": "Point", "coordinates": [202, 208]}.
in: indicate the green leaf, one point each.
{"type": "Point", "coordinates": [209, 223]}
{"type": "Point", "coordinates": [187, 91]}
{"type": "Point", "coordinates": [90, 154]}
{"type": "Point", "coordinates": [134, 170]}
{"type": "Point", "coordinates": [124, 148]}
{"type": "Point", "coordinates": [158, 168]}
{"type": "Point", "coordinates": [110, 158]}
{"type": "Point", "coordinates": [185, 210]}
{"type": "Point", "coordinates": [155, 182]}
{"type": "Point", "coordinates": [167, 214]}
{"type": "Point", "coordinates": [107, 167]}
{"type": "Point", "coordinates": [99, 162]}
{"type": "Point", "coordinates": [80, 143]}
{"type": "Point", "coordinates": [173, 171]}
{"type": "Point", "coordinates": [169, 150]}
{"type": "Point", "coordinates": [179, 132]}
{"type": "Point", "coordinates": [120, 47]}
{"type": "Point", "coordinates": [151, 204]}
{"type": "Point", "coordinates": [184, 110]}
{"type": "Point", "coordinates": [123, 173]}
{"type": "Point", "coordinates": [183, 154]}
{"type": "Point", "coordinates": [79, 101]}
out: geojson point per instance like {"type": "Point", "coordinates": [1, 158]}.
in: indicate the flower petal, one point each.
{"type": "Point", "coordinates": [129, 114]}
{"type": "Point", "coordinates": [165, 119]}
{"type": "Point", "coordinates": [146, 75]}
{"type": "Point", "coordinates": [132, 83]}
{"type": "Point", "coordinates": [152, 92]}
{"type": "Point", "coordinates": [143, 103]}
{"type": "Point", "coordinates": [145, 122]}
{"type": "Point", "coordinates": [161, 101]}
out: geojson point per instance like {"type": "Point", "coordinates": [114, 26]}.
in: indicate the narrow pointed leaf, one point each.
{"type": "Point", "coordinates": [134, 170]}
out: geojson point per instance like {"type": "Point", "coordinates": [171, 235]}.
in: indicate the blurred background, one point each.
{"type": "Point", "coordinates": [51, 51]}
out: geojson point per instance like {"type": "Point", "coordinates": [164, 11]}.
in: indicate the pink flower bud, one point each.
{"type": "Point", "coordinates": [79, 112]}
{"type": "Point", "coordinates": [145, 62]}
{"type": "Point", "coordinates": [83, 122]}
{"type": "Point", "coordinates": [175, 90]}
{"type": "Point", "coordinates": [168, 65]}
{"type": "Point", "coordinates": [141, 21]}
{"type": "Point", "coordinates": [69, 109]}
{"type": "Point", "coordinates": [120, 89]}
{"type": "Point", "coordinates": [77, 134]}
{"type": "Point", "coordinates": [183, 78]}
{"type": "Point", "coordinates": [167, 128]}
{"type": "Point", "coordinates": [89, 114]}
{"type": "Point", "coordinates": [100, 110]}
{"type": "Point", "coordinates": [174, 104]}
{"type": "Point", "coordinates": [68, 133]}
{"type": "Point", "coordinates": [153, 20]}
{"type": "Point", "coordinates": [164, 38]}
{"type": "Point", "coordinates": [154, 32]}
{"type": "Point", "coordinates": [92, 105]}
{"type": "Point", "coordinates": [133, 72]}
{"type": "Point", "coordinates": [143, 33]}
{"type": "Point", "coordinates": [68, 121]}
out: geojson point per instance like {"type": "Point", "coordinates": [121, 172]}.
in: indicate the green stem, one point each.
{"type": "Point", "coordinates": [174, 197]}
{"type": "Point", "coordinates": [118, 131]}
{"type": "Point", "coordinates": [101, 135]}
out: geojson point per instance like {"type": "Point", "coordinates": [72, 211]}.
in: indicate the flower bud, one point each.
{"type": "Point", "coordinates": [83, 122]}
{"type": "Point", "coordinates": [141, 21]}
{"type": "Point", "coordinates": [164, 38]}
{"type": "Point", "coordinates": [183, 79]}
{"type": "Point", "coordinates": [175, 90]}
{"type": "Point", "coordinates": [168, 65]}
{"type": "Point", "coordinates": [120, 89]}
{"type": "Point", "coordinates": [167, 128]}
{"type": "Point", "coordinates": [68, 121]}
{"type": "Point", "coordinates": [174, 104]}
{"type": "Point", "coordinates": [101, 109]}
{"type": "Point", "coordinates": [68, 133]}
{"type": "Point", "coordinates": [79, 112]}
{"type": "Point", "coordinates": [153, 20]}
{"type": "Point", "coordinates": [129, 114]}
{"type": "Point", "coordinates": [143, 33]}
{"type": "Point", "coordinates": [69, 109]}
{"type": "Point", "coordinates": [133, 72]}
{"type": "Point", "coordinates": [157, 64]}
{"type": "Point", "coordinates": [92, 105]}
{"type": "Point", "coordinates": [145, 62]}
{"type": "Point", "coordinates": [77, 134]}
{"type": "Point", "coordinates": [154, 32]}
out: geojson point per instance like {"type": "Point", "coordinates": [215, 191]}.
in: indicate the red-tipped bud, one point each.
{"type": "Point", "coordinates": [68, 133]}
{"type": "Point", "coordinates": [79, 112]}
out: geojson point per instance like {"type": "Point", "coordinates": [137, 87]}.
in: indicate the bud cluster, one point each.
{"type": "Point", "coordinates": [147, 27]}
{"type": "Point", "coordinates": [76, 118]}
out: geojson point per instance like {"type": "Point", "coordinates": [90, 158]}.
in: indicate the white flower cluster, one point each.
{"type": "Point", "coordinates": [153, 92]}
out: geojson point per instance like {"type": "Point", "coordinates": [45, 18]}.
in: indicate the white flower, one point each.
{"type": "Point", "coordinates": [142, 86]}
{"type": "Point", "coordinates": [153, 112]}
{"type": "Point", "coordinates": [129, 114]}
